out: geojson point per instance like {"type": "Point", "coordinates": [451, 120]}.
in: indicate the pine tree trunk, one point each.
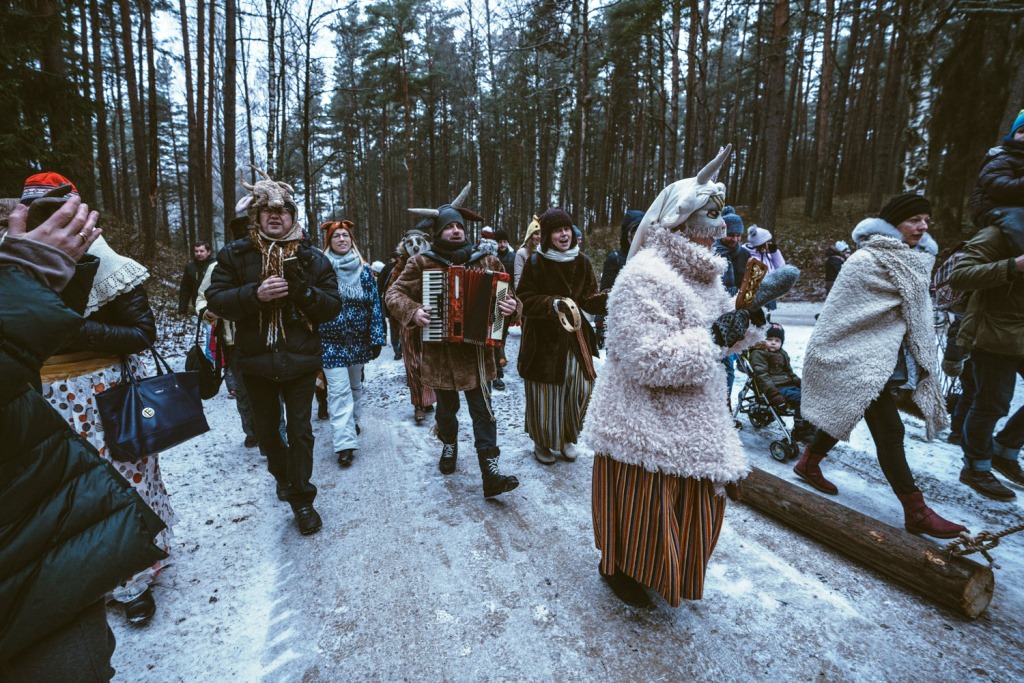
{"type": "Point", "coordinates": [230, 73]}
{"type": "Point", "coordinates": [153, 153]}
{"type": "Point", "coordinates": [775, 140]}
{"type": "Point", "coordinates": [102, 133]}
{"type": "Point", "coordinates": [193, 130]}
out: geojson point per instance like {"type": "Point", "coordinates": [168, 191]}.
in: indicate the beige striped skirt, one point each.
{"type": "Point", "coordinates": [412, 356]}
{"type": "Point", "coordinates": [555, 412]}
{"type": "Point", "coordinates": [659, 529]}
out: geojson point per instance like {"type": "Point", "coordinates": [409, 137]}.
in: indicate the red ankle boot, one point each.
{"type": "Point", "coordinates": [808, 470]}
{"type": "Point", "coordinates": [921, 519]}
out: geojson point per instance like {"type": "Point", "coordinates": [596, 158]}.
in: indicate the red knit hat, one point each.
{"type": "Point", "coordinates": [330, 227]}
{"type": "Point", "coordinates": [41, 183]}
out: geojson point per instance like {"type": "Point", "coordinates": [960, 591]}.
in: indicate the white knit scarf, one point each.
{"type": "Point", "coordinates": [557, 256]}
{"type": "Point", "coordinates": [349, 269]}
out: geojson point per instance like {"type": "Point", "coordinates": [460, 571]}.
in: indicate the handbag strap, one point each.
{"type": "Point", "coordinates": [157, 360]}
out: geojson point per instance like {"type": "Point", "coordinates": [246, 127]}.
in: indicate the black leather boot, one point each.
{"type": "Point", "coordinates": [449, 457]}
{"type": "Point", "coordinates": [495, 483]}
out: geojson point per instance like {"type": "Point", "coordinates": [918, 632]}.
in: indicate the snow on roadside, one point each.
{"type": "Point", "coordinates": [416, 577]}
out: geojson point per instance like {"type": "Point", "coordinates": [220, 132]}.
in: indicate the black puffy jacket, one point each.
{"type": "Point", "coordinates": [71, 528]}
{"type": "Point", "coordinates": [232, 295]}
{"type": "Point", "coordinates": [122, 326]}
{"type": "Point", "coordinates": [1000, 182]}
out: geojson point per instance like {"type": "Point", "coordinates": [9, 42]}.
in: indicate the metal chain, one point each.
{"type": "Point", "coordinates": [966, 544]}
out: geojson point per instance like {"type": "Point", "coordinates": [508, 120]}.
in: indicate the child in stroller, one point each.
{"type": "Point", "coordinates": [773, 391]}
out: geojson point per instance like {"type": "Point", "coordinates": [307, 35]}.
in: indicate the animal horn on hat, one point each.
{"type": "Point", "coordinates": [241, 176]}
{"type": "Point", "coordinates": [266, 176]}
{"type": "Point", "coordinates": [432, 213]}
{"type": "Point", "coordinates": [457, 202]}
{"type": "Point", "coordinates": [712, 169]}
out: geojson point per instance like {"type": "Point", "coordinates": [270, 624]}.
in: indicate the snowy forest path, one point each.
{"type": "Point", "coordinates": [415, 576]}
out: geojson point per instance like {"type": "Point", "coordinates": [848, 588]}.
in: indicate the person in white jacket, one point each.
{"type": "Point", "coordinates": [664, 442]}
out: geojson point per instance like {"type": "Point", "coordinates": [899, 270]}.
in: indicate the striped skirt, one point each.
{"type": "Point", "coordinates": [555, 412]}
{"type": "Point", "coordinates": [412, 355]}
{"type": "Point", "coordinates": [659, 529]}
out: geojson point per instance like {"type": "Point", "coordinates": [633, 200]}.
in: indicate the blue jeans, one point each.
{"type": "Point", "coordinates": [995, 377]}
{"type": "Point", "coordinates": [485, 430]}
{"type": "Point", "coordinates": [792, 396]}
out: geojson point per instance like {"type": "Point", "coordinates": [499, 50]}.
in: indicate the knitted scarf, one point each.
{"type": "Point", "coordinates": [456, 253]}
{"type": "Point", "coordinates": [557, 256]}
{"type": "Point", "coordinates": [349, 269]}
{"type": "Point", "coordinates": [274, 250]}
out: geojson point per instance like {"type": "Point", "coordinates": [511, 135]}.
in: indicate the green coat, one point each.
{"type": "Point", "coordinates": [772, 370]}
{"type": "Point", "coordinates": [71, 528]}
{"type": "Point", "coordinates": [994, 321]}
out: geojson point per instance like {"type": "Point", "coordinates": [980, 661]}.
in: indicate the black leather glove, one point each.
{"type": "Point", "coordinates": [772, 247]}
{"type": "Point", "coordinates": [295, 274]}
{"type": "Point", "coordinates": [374, 352]}
{"type": "Point", "coordinates": [730, 328]}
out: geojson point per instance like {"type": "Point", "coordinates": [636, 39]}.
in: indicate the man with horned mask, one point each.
{"type": "Point", "coordinates": [453, 367]}
{"type": "Point", "coordinates": [278, 290]}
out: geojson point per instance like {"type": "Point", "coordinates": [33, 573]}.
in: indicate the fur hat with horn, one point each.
{"type": "Point", "coordinates": [691, 207]}
{"type": "Point", "coordinates": [270, 193]}
{"type": "Point", "coordinates": [450, 213]}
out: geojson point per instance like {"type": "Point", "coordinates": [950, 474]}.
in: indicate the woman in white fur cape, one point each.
{"type": "Point", "coordinates": [875, 334]}
{"type": "Point", "coordinates": [658, 422]}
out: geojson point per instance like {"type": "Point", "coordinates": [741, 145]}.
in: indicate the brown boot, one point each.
{"type": "Point", "coordinates": [808, 470]}
{"type": "Point", "coordinates": [921, 519]}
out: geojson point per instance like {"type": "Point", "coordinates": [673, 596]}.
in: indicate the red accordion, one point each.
{"type": "Point", "coordinates": [464, 305]}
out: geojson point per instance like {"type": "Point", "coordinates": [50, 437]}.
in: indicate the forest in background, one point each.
{"type": "Point", "coordinates": [153, 107]}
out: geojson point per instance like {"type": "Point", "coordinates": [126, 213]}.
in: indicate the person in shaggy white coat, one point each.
{"type": "Point", "coordinates": [875, 336]}
{"type": "Point", "coordinates": [663, 437]}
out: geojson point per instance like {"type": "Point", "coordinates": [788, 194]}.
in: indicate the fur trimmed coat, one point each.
{"type": "Point", "coordinates": [660, 401]}
{"type": "Point", "coordinates": [879, 302]}
{"type": "Point", "coordinates": [444, 366]}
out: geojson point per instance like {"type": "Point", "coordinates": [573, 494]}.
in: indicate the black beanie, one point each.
{"type": "Point", "coordinates": [776, 331]}
{"type": "Point", "coordinates": [551, 220]}
{"type": "Point", "coordinates": [500, 235]}
{"type": "Point", "coordinates": [902, 207]}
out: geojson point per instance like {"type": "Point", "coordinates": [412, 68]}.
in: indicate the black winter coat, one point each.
{"type": "Point", "coordinates": [545, 344]}
{"type": "Point", "coordinates": [613, 263]}
{"type": "Point", "coordinates": [232, 295]}
{"type": "Point", "coordinates": [195, 271]}
{"type": "Point", "coordinates": [508, 260]}
{"type": "Point", "coordinates": [1000, 182]}
{"type": "Point", "coordinates": [833, 264]}
{"type": "Point", "coordinates": [122, 326]}
{"type": "Point", "coordinates": [71, 528]}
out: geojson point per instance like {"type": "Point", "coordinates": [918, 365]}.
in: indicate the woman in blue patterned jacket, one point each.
{"type": "Point", "coordinates": [353, 338]}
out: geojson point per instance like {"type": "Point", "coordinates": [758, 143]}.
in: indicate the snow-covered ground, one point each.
{"type": "Point", "coordinates": [416, 577]}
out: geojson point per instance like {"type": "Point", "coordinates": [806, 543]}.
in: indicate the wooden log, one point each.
{"type": "Point", "coordinates": [915, 562]}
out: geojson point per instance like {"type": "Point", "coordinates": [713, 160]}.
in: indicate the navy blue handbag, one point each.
{"type": "Point", "coordinates": [145, 416]}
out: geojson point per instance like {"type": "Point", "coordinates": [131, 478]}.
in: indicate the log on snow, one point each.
{"type": "Point", "coordinates": [917, 563]}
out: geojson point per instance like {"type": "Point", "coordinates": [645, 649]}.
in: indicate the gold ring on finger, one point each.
{"type": "Point", "coordinates": [84, 238]}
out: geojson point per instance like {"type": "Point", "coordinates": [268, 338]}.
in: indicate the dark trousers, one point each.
{"type": "Point", "coordinates": [485, 430]}
{"type": "Point", "coordinates": [291, 464]}
{"type": "Point", "coordinates": [967, 390]}
{"type": "Point", "coordinates": [995, 377]}
{"type": "Point", "coordinates": [887, 432]}
{"type": "Point", "coordinates": [241, 396]}
{"type": "Point", "coordinates": [77, 653]}
{"type": "Point", "coordinates": [394, 331]}
{"type": "Point", "coordinates": [792, 396]}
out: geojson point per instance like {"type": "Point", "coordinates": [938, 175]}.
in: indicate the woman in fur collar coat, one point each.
{"type": "Point", "coordinates": [558, 381]}
{"type": "Point", "coordinates": [875, 334]}
{"type": "Point", "coordinates": [664, 441]}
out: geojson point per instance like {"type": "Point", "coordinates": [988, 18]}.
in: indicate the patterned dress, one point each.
{"type": "Point", "coordinates": [73, 396]}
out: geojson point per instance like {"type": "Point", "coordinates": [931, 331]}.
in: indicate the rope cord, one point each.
{"type": "Point", "coordinates": [966, 544]}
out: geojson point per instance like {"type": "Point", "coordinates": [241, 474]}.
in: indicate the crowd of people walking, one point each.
{"type": "Point", "coordinates": [666, 310]}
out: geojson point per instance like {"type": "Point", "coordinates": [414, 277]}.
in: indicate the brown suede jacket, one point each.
{"type": "Point", "coordinates": [546, 345]}
{"type": "Point", "coordinates": [444, 366]}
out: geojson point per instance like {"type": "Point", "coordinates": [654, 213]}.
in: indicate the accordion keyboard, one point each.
{"type": "Point", "coordinates": [433, 296]}
{"type": "Point", "coordinates": [500, 294]}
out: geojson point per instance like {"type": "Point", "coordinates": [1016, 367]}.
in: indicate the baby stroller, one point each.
{"type": "Point", "coordinates": [762, 413]}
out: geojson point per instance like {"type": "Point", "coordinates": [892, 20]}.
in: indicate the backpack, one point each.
{"type": "Point", "coordinates": [947, 298]}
